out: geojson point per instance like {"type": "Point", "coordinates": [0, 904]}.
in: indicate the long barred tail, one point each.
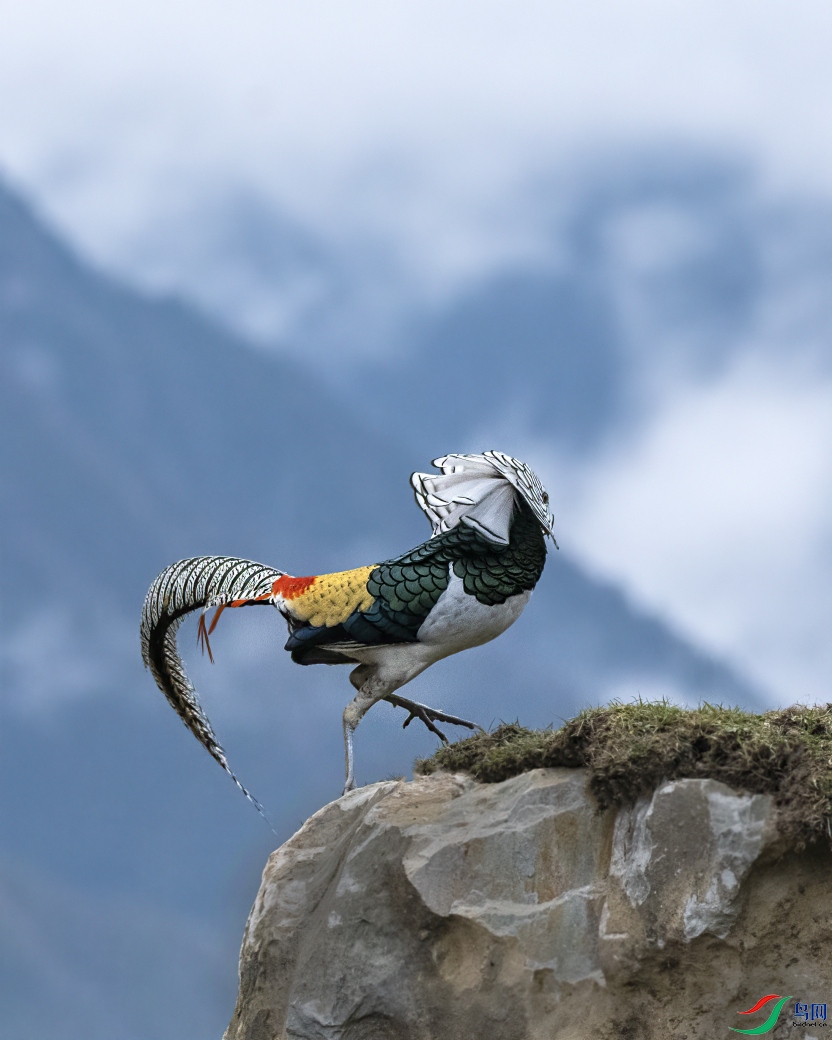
{"type": "Point", "coordinates": [202, 582]}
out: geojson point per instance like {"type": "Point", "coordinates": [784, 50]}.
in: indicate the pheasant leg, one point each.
{"type": "Point", "coordinates": [427, 715]}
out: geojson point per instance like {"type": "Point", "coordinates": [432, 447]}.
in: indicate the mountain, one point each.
{"type": "Point", "coordinates": [135, 432]}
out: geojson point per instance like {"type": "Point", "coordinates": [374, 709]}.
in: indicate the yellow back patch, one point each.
{"type": "Point", "coordinates": [333, 597]}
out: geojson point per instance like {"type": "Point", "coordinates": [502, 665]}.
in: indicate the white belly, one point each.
{"type": "Point", "coordinates": [459, 621]}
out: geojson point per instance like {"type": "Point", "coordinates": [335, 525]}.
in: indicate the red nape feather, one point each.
{"type": "Point", "coordinates": [285, 586]}
{"type": "Point", "coordinates": [289, 587]}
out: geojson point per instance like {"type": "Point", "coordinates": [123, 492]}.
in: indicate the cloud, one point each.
{"type": "Point", "coordinates": [416, 121]}
{"type": "Point", "coordinates": [718, 512]}
{"type": "Point", "coordinates": [417, 130]}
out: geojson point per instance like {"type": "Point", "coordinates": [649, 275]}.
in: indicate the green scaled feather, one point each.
{"type": "Point", "coordinates": [407, 588]}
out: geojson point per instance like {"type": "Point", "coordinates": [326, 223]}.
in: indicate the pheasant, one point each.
{"type": "Point", "coordinates": [463, 587]}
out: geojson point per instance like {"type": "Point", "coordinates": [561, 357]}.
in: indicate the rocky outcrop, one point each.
{"type": "Point", "coordinates": [444, 909]}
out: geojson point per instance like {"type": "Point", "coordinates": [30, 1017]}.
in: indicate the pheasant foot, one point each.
{"type": "Point", "coordinates": [427, 715]}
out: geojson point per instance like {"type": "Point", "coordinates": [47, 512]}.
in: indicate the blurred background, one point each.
{"type": "Point", "coordinates": [258, 262]}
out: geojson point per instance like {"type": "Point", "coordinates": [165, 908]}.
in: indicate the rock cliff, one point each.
{"type": "Point", "coordinates": [444, 909]}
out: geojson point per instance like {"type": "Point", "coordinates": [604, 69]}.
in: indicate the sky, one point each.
{"type": "Point", "coordinates": [410, 137]}
{"type": "Point", "coordinates": [718, 512]}
{"type": "Point", "coordinates": [416, 121]}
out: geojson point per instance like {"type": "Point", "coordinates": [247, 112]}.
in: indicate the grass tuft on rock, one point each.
{"type": "Point", "coordinates": [630, 749]}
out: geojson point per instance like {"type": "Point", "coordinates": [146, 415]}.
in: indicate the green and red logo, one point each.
{"type": "Point", "coordinates": [771, 1021]}
{"type": "Point", "coordinates": [803, 1014]}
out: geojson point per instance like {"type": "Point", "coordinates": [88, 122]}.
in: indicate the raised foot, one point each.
{"type": "Point", "coordinates": [427, 715]}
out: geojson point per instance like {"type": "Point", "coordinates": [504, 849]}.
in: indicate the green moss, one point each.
{"type": "Point", "coordinates": [629, 749]}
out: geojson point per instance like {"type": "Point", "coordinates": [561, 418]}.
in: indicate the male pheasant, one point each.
{"type": "Point", "coordinates": [461, 588]}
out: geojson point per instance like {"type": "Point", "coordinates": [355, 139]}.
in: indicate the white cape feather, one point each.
{"type": "Point", "coordinates": [470, 490]}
